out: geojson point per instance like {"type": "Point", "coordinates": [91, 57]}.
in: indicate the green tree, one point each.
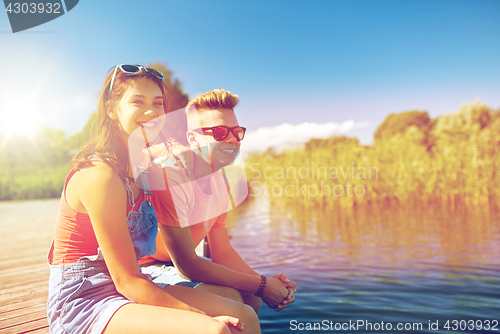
{"type": "Point", "coordinates": [81, 138]}
{"type": "Point", "coordinates": [398, 123]}
{"type": "Point", "coordinates": [177, 99]}
{"type": "Point", "coordinates": [330, 143]}
{"type": "Point", "coordinates": [18, 152]}
{"type": "Point", "coordinates": [176, 126]}
{"type": "Point", "coordinates": [53, 145]}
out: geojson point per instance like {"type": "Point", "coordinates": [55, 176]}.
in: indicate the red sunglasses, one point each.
{"type": "Point", "coordinates": [221, 132]}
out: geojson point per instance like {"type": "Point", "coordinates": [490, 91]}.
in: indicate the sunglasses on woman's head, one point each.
{"type": "Point", "coordinates": [133, 69]}
{"type": "Point", "coordinates": [221, 132]}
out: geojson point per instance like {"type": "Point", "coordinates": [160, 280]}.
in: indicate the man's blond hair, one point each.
{"type": "Point", "coordinates": [214, 99]}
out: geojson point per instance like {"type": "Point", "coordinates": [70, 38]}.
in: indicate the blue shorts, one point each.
{"type": "Point", "coordinates": [83, 296]}
{"type": "Point", "coordinates": [164, 274]}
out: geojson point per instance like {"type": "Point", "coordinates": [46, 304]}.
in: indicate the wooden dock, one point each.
{"type": "Point", "coordinates": [26, 231]}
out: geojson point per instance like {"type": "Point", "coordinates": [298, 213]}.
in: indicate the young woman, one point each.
{"type": "Point", "coordinates": [106, 223]}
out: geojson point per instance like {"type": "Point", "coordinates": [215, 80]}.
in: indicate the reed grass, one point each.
{"type": "Point", "coordinates": [32, 183]}
{"type": "Point", "coordinates": [455, 157]}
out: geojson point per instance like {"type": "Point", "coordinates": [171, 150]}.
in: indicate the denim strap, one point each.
{"type": "Point", "coordinates": [130, 193]}
{"type": "Point", "coordinates": [143, 183]}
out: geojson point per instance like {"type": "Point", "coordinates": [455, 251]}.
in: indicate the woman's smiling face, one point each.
{"type": "Point", "coordinates": [140, 106]}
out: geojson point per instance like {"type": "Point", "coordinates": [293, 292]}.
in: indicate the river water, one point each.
{"type": "Point", "coordinates": [376, 269]}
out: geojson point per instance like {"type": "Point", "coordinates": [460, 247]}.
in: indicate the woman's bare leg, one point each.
{"type": "Point", "coordinates": [147, 319]}
{"type": "Point", "coordinates": [135, 318]}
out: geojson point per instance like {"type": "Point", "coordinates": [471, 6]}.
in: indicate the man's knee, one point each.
{"type": "Point", "coordinates": [222, 291]}
{"type": "Point", "coordinates": [233, 294]}
{"type": "Point", "coordinates": [251, 300]}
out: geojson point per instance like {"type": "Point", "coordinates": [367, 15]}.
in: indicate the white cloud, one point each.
{"type": "Point", "coordinates": [286, 135]}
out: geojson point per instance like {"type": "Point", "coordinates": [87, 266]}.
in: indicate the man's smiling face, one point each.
{"type": "Point", "coordinates": [224, 152]}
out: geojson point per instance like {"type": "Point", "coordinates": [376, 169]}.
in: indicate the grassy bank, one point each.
{"type": "Point", "coordinates": [455, 157]}
{"type": "Point", "coordinates": [34, 167]}
{"type": "Point", "coordinates": [29, 183]}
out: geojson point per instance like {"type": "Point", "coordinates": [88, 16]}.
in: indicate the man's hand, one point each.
{"type": "Point", "coordinates": [288, 283]}
{"type": "Point", "coordinates": [292, 289]}
{"type": "Point", "coordinates": [274, 293]}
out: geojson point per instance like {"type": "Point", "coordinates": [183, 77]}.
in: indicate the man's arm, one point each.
{"type": "Point", "coordinates": [222, 252]}
{"type": "Point", "coordinates": [180, 245]}
{"type": "Point", "coordinates": [171, 206]}
{"type": "Point", "coordinates": [181, 248]}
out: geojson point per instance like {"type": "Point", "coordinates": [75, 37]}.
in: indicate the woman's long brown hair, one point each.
{"type": "Point", "coordinates": [105, 141]}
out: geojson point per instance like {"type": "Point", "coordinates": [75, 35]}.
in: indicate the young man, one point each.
{"type": "Point", "coordinates": [196, 206]}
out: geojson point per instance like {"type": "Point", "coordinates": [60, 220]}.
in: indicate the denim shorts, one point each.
{"type": "Point", "coordinates": [164, 274]}
{"type": "Point", "coordinates": [86, 298]}
{"type": "Point", "coordinates": [78, 294]}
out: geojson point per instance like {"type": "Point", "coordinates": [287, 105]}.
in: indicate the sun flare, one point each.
{"type": "Point", "coordinates": [19, 116]}
{"type": "Point", "coordinates": [19, 122]}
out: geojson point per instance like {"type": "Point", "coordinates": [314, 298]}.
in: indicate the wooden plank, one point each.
{"type": "Point", "coordinates": [4, 310]}
{"type": "Point", "coordinates": [16, 286]}
{"type": "Point", "coordinates": [42, 330]}
{"type": "Point", "coordinates": [21, 296]}
{"type": "Point", "coordinates": [33, 285]}
{"type": "Point", "coordinates": [27, 315]}
{"type": "Point", "coordinates": [36, 270]}
{"type": "Point", "coordinates": [32, 317]}
{"type": "Point", "coordinates": [27, 229]}
{"type": "Point", "coordinates": [35, 251]}
{"type": "Point", "coordinates": [26, 327]}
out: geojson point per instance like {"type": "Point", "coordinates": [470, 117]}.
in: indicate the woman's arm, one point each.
{"type": "Point", "coordinates": [104, 197]}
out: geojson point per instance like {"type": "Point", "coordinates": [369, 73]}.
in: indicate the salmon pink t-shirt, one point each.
{"type": "Point", "coordinates": [186, 205]}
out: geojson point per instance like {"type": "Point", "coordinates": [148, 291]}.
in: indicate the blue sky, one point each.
{"type": "Point", "coordinates": [316, 61]}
